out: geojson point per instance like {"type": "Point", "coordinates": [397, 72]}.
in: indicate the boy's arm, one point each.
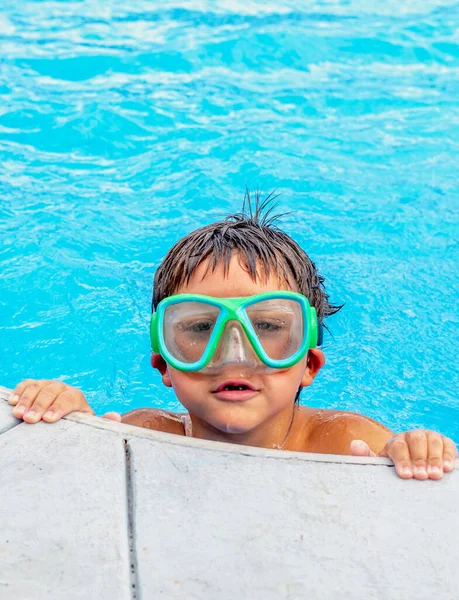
{"type": "Point", "coordinates": [418, 453]}
{"type": "Point", "coordinates": [152, 418]}
{"type": "Point", "coordinates": [333, 431]}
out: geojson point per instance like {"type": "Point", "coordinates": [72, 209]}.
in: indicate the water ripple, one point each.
{"type": "Point", "coordinates": [123, 125]}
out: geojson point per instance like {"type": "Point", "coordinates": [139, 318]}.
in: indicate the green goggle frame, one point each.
{"type": "Point", "coordinates": [233, 309]}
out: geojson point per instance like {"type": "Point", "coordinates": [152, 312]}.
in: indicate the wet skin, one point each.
{"type": "Point", "coordinates": [264, 416]}
{"type": "Point", "coordinates": [268, 418]}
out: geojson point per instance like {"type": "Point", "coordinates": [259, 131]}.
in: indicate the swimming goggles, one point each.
{"type": "Point", "coordinates": [265, 332]}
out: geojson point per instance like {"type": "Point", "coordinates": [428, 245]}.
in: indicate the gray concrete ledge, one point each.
{"type": "Point", "coordinates": [95, 509]}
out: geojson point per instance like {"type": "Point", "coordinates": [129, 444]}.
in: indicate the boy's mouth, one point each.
{"type": "Point", "coordinates": [235, 390]}
{"type": "Point", "coordinates": [233, 385]}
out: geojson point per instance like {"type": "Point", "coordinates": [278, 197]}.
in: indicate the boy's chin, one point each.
{"type": "Point", "coordinates": [234, 424]}
{"type": "Point", "coordinates": [234, 428]}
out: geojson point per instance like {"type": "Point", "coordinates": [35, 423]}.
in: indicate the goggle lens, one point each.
{"type": "Point", "coordinates": [187, 329]}
{"type": "Point", "coordinates": [278, 325]}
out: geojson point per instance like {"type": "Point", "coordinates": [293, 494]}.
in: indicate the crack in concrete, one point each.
{"type": "Point", "coordinates": [132, 538]}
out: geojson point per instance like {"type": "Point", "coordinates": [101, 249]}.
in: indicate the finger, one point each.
{"type": "Point", "coordinates": [112, 416]}
{"type": "Point", "coordinates": [361, 448]}
{"type": "Point", "coordinates": [70, 400]}
{"type": "Point", "coordinates": [27, 397]}
{"type": "Point", "coordinates": [434, 455]}
{"type": "Point", "coordinates": [16, 394]}
{"type": "Point", "coordinates": [418, 447]}
{"type": "Point", "coordinates": [449, 454]}
{"type": "Point", "coordinates": [397, 450]}
{"type": "Point", "coordinates": [43, 401]}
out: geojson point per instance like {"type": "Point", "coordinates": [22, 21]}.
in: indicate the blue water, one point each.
{"type": "Point", "coordinates": [124, 125]}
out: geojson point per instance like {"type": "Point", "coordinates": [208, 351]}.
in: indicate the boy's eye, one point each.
{"type": "Point", "coordinates": [197, 326]}
{"type": "Point", "coordinates": [268, 326]}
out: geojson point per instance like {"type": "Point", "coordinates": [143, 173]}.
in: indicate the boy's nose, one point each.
{"type": "Point", "coordinates": [235, 348]}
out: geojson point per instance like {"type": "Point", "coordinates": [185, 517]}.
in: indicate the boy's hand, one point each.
{"type": "Point", "coordinates": [48, 400]}
{"type": "Point", "coordinates": [419, 453]}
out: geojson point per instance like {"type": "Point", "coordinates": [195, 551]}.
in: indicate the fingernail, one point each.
{"type": "Point", "coordinates": [18, 411]}
{"type": "Point", "coordinates": [406, 471]}
{"type": "Point", "coordinates": [49, 414]}
{"type": "Point", "coordinates": [448, 464]}
{"type": "Point", "coordinates": [420, 471]}
{"type": "Point", "coordinates": [31, 414]}
{"type": "Point", "coordinates": [434, 470]}
{"type": "Point", "coordinates": [13, 399]}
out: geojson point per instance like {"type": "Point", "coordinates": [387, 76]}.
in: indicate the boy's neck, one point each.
{"type": "Point", "coordinates": [266, 435]}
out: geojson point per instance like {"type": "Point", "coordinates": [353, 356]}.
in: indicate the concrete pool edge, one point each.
{"type": "Point", "coordinates": [96, 509]}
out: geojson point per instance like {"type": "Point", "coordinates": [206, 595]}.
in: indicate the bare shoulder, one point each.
{"type": "Point", "coordinates": [331, 431]}
{"type": "Point", "coordinates": [156, 419]}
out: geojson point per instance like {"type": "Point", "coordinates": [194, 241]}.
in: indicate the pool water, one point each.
{"type": "Point", "coordinates": [125, 125]}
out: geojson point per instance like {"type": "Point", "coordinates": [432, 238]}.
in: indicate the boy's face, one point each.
{"type": "Point", "coordinates": [273, 393]}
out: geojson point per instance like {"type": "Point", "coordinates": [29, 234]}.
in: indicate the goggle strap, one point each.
{"type": "Point", "coordinates": [316, 336]}
{"type": "Point", "coordinates": [154, 333]}
{"type": "Point", "coordinates": [320, 334]}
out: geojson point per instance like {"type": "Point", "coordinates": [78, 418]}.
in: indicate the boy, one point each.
{"type": "Point", "coordinates": [238, 309]}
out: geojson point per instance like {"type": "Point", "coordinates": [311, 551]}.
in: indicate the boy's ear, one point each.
{"type": "Point", "coordinates": [158, 362]}
{"type": "Point", "coordinates": [316, 360]}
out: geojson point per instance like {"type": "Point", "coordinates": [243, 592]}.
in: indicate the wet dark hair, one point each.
{"type": "Point", "coordinates": [262, 248]}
